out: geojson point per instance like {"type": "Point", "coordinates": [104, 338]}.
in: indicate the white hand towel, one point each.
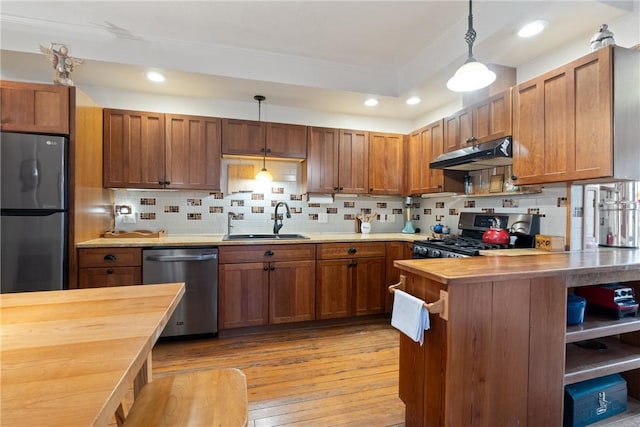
{"type": "Point", "coordinates": [409, 315]}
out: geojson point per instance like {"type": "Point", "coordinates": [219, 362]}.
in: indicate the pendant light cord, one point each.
{"type": "Point", "coordinates": [261, 98]}
{"type": "Point", "coordinates": [470, 36]}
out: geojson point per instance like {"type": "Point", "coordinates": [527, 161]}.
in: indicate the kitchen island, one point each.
{"type": "Point", "coordinates": [501, 353]}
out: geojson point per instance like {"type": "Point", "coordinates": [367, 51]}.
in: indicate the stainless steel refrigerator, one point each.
{"type": "Point", "coordinates": [34, 212]}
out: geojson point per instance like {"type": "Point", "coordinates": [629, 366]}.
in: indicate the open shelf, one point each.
{"type": "Point", "coordinates": [596, 327]}
{"type": "Point", "coordinates": [584, 364]}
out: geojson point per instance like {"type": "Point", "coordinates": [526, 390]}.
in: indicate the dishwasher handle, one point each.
{"type": "Point", "coordinates": [178, 258]}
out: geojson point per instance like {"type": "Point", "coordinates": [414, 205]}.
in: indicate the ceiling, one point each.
{"type": "Point", "coordinates": [319, 55]}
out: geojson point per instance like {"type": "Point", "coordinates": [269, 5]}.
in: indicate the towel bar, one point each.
{"type": "Point", "coordinates": [439, 307]}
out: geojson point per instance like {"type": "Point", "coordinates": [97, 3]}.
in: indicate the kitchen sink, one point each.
{"type": "Point", "coordinates": [264, 237]}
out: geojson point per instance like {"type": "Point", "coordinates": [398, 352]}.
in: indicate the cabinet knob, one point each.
{"type": "Point", "coordinates": [110, 271]}
{"type": "Point", "coordinates": [268, 150]}
{"type": "Point", "coordinates": [110, 257]}
{"type": "Point", "coordinates": [272, 268]}
{"type": "Point", "coordinates": [265, 268]}
{"type": "Point", "coordinates": [352, 250]}
{"type": "Point", "coordinates": [370, 189]}
{"type": "Point", "coordinates": [269, 253]}
{"type": "Point", "coordinates": [341, 188]}
{"type": "Point", "coordinates": [514, 178]}
{"type": "Point", "coordinates": [160, 182]}
{"type": "Point", "coordinates": [336, 188]}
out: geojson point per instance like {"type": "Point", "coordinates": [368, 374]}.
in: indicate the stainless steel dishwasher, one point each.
{"type": "Point", "coordinates": [197, 312]}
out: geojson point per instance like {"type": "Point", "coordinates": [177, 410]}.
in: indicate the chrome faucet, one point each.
{"type": "Point", "coordinates": [277, 226]}
{"type": "Point", "coordinates": [230, 216]}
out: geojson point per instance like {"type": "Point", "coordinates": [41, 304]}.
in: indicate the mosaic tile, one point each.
{"type": "Point", "coordinates": [257, 196]}
{"type": "Point", "coordinates": [349, 204]}
{"type": "Point", "coordinates": [453, 211]}
{"type": "Point", "coordinates": [194, 216]}
{"type": "Point", "coordinates": [147, 216]}
{"type": "Point", "coordinates": [427, 211]}
{"type": "Point", "coordinates": [510, 203]}
{"type": "Point", "coordinates": [396, 211]}
{"type": "Point", "coordinates": [171, 209]}
{"type": "Point", "coordinates": [469, 203]}
{"type": "Point", "coordinates": [439, 205]}
{"type": "Point", "coordinates": [488, 210]}
{"type": "Point", "coordinates": [216, 209]}
{"type": "Point", "coordinates": [194, 202]}
{"type": "Point", "coordinates": [277, 190]}
{"type": "Point", "coordinates": [313, 217]}
{"type": "Point", "coordinates": [217, 195]}
{"type": "Point", "coordinates": [295, 210]}
{"type": "Point", "coordinates": [349, 217]}
{"type": "Point", "coordinates": [147, 201]}
{"type": "Point", "coordinates": [562, 202]}
{"type": "Point", "coordinates": [314, 205]}
{"type": "Point", "coordinates": [332, 210]}
{"type": "Point", "coordinates": [533, 211]}
{"type": "Point", "coordinates": [257, 209]}
{"type": "Point", "coordinates": [237, 202]}
{"type": "Point", "coordinates": [295, 197]}
{"type": "Point", "coordinates": [381, 205]}
{"type": "Point", "coordinates": [365, 210]}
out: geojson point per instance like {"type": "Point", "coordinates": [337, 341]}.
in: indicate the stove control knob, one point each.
{"type": "Point", "coordinates": [436, 254]}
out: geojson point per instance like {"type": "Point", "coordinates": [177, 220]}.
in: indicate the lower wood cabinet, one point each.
{"type": "Point", "coordinates": [395, 251]}
{"type": "Point", "coordinates": [102, 267]}
{"type": "Point", "coordinates": [350, 279]}
{"type": "Point", "coordinates": [266, 284]}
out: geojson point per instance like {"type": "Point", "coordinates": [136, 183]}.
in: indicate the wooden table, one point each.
{"type": "Point", "coordinates": [69, 357]}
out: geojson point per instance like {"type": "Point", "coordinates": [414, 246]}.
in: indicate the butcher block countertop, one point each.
{"type": "Point", "coordinates": [216, 240]}
{"type": "Point", "coordinates": [601, 266]}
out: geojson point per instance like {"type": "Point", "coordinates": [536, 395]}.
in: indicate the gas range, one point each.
{"type": "Point", "coordinates": [522, 227]}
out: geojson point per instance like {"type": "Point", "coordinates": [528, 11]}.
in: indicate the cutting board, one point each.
{"type": "Point", "coordinates": [514, 252]}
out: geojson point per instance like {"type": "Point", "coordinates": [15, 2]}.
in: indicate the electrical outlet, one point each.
{"type": "Point", "coordinates": [323, 218]}
{"type": "Point", "coordinates": [129, 219]}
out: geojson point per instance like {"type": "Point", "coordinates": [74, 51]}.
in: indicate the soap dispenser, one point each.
{"type": "Point", "coordinates": [408, 225]}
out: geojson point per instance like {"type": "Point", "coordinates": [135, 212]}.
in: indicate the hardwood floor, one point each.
{"type": "Point", "coordinates": [321, 376]}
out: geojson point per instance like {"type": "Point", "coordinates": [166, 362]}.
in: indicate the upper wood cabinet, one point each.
{"type": "Point", "coordinates": [353, 162]}
{"type": "Point", "coordinates": [154, 150]}
{"type": "Point", "coordinates": [192, 152]}
{"type": "Point", "coordinates": [321, 172]}
{"type": "Point", "coordinates": [249, 138]}
{"type": "Point", "coordinates": [337, 161]}
{"type": "Point", "coordinates": [562, 122]}
{"type": "Point", "coordinates": [423, 146]}
{"type": "Point", "coordinates": [484, 121]}
{"type": "Point", "coordinates": [386, 163]}
{"type": "Point", "coordinates": [37, 108]}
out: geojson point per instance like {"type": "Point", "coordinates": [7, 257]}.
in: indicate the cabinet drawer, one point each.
{"type": "Point", "coordinates": [106, 276]}
{"type": "Point", "coordinates": [351, 250]}
{"type": "Point", "coordinates": [110, 257]}
{"type": "Point", "coordinates": [262, 253]}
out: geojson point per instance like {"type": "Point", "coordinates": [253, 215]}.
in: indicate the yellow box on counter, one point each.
{"type": "Point", "coordinates": [550, 243]}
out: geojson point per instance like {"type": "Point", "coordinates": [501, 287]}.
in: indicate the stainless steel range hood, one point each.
{"type": "Point", "coordinates": [476, 157]}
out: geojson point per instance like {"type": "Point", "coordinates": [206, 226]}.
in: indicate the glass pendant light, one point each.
{"type": "Point", "coordinates": [472, 75]}
{"type": "Point", "coordinates": [264, 174]}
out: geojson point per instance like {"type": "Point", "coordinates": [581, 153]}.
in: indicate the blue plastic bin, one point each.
{"type": "Point", "coordinates": [575, 309]}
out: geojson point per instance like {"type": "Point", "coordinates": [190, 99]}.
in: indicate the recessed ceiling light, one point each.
{"type": "Point", "coordinates": [532, 28]}
{"type": "Point", "coordinates": [413, 100]}
{"type": "Point", "coordinates": [155, 76]}
{"type": "Point", "coordinates": [371, 102]}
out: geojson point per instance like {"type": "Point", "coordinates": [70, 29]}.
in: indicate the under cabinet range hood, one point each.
{"type": "Point", "coordinates": [476, 157]}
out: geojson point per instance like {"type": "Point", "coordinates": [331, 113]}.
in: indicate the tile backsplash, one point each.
{"type": "Point", "coordinates": [201, 212]}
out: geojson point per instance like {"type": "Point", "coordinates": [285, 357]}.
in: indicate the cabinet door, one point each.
{"type": "Point", "coordinates": [292, 290]}
{"type": "Point", "coordinates": [433, 140]}
{"type": "Point", "coordinates": [333, 288]}
{"type": "Point", "coordinates": [493, 118]}
{"type": "Point", "coordinates": [243, 137]}
{"type": "Point", "coordinates": [193, 152]}
{"type": "Point", "coordinates": [243, 295]}
{"type": "Point", "coordinates": [321, 172]}
{"type": "Point", "coordinates": [395, 251]}
{"type": "Point", "coordinates": [133, 149]}
{"type": "Point", "coordinates": [542, 128]}
{"type": "Point", "coordinates": [369, 286]}
{"type": "Point", "coordinates": [106, 276]}
{"type": "Point", "coordinates": [286, 141]}
{"type": "Point", "coordinates": [38, 108]}
{"type": "Point", "coordinates": [591, 153]}
{"type": "Point", "coordinates": [385, 163]}
{"type": "Point", "coordinates": [353, 162]}
{"type": "Point", "coordinates": [458, 130]}
{"type": "Point", "coordinates": [415, 161]}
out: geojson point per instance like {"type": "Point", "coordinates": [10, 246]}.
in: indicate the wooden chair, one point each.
{"type": "Point", "coordinates": [204, 398]}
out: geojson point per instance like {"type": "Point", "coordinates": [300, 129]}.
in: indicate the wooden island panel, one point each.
{"type": "Point", "coordinates": [499, 359]}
